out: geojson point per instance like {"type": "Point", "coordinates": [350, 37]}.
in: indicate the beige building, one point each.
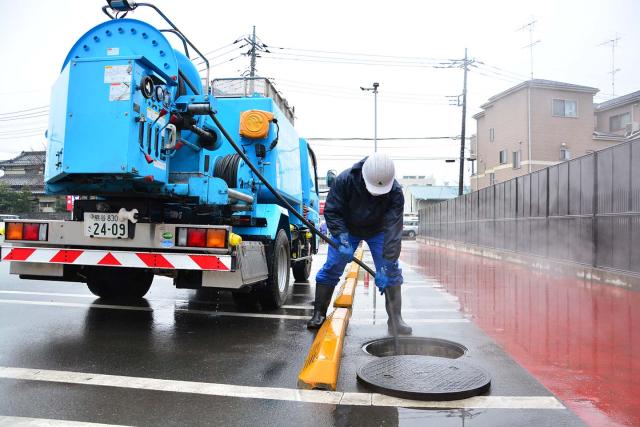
{"type": "Point", "coordinates": [532, 125]}
{"type": "Point", "coordinates": [618, 120]}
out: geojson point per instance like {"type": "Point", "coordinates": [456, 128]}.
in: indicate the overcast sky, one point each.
{"type": "Point", "coordinates": [324, 87]}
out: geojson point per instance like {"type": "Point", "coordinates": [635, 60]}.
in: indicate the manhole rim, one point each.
{"type": "Point", "coordinates": [456, 345]}
{"type": "Point", "coordinates": [435, 396]}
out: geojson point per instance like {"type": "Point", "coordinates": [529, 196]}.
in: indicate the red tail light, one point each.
{"type": "Point", "coordinates": [197, 237]}
{"type": "Point", "coordinates": [26, 231]}
{"type": "Point", "coordinates": [31, 232]}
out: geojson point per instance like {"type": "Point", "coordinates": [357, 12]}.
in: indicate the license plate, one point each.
{"type": "Point", "coordinates": [105, 225]}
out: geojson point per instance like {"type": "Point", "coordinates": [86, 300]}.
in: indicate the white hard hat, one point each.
{"type": "Point", "coordinates": [378, 172]}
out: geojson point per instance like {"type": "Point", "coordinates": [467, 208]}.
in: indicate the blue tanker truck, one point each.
{"type": "Point", "coordinates": [139, 136]}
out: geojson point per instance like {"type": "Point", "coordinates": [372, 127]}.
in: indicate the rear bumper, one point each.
{"type": "Point", "coordinates": [111, 258]}
{"type": "Point", "coordinates": [246, 266]}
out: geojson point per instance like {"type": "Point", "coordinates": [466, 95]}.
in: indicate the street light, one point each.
{"type": "Point", "coordinates": [374, 89]}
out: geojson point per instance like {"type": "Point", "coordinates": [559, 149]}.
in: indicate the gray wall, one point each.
{"type": "Point", "coordinates": [586, 210]}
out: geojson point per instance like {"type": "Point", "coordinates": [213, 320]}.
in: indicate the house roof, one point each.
{"type": "Point", "coordinates": [434, 192]}
{"type": "Point", "coordinates": [31, 180]}
{"type": "Point", "coordinates": [26, 158]}
{"type": "Point", "coordinates": [541, 84]}
{"type": "Point", "coordinates": [619, 101]}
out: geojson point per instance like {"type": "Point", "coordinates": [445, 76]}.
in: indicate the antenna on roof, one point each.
{"type": "Point", "coordinates": [613, 43]}
{"type": "Point", "coordinates": [529, 27]}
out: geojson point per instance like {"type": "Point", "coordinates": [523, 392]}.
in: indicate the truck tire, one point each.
{"type": "Point", "coordinates": [301, 270]}
{"type": "Point", "coordinates": [276, 288]}
{"type": "Point", "coordinates": [119, 283]}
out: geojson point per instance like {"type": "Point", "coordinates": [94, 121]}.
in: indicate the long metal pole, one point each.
{"type": "Point", "coordinates": [375, 118]}
{"type": "Point", "coordinates": [464, 123]}
{"type": "Point", "coordinates": [278, 196]}
{"type": "Point", "coordinates": [530, 165]}
{"type": "Point", "coordinates": [252, 72]}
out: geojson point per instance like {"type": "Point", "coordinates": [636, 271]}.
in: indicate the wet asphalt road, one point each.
{"type": "Point", "coordinates": [183, 335]}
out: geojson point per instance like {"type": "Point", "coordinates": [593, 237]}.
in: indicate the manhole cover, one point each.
{"type": "Point", "coordinates": [418, 346]}
{"type": "Point", "coordinates": [424, 377]}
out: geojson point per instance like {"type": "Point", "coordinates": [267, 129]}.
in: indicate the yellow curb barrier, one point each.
{"type": "Point", "coordinates": [348, 289]}
{"type": "Point", "coordinates": [322, 364]}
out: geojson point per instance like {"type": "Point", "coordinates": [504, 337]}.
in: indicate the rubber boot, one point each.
{"type": "Point", "coordinates": [320, 306]}
{"type": "Point", "coordinates": [393, 304]}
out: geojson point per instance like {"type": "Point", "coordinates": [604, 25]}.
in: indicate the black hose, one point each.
{"type": "Point", "coordinates": [226, 168]}
{"type": "Point", "coordinates": [276, 193]}
{"type": "Point", "coordinates": [278, 196]}
{"type": "Point", "coordinates": [180, 36]}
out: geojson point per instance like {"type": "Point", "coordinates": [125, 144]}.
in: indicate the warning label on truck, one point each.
{"type": "Point", "coordinates": [119, 92]}
{"type": "Point", "coordinates": [117, 74]}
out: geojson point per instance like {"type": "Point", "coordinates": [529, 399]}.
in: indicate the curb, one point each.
{"type": "Point", "coordinates": [322, 365]}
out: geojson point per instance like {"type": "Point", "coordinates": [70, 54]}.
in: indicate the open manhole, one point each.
{"type": "Point", "coordinates": [424, 377]}
{"type": "Point", "coordinates": [418, 346]}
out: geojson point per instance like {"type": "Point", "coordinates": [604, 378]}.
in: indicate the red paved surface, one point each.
{"type": "Point", "coordinates": [580, 339]}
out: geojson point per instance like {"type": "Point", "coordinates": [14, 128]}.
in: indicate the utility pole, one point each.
{"type": "Point", "coordinates": [614, 43]}
{"type": "Point", "coordinates": [374, 89]}
{"type": "Point", "coordinates": [252, 71]}
{"type": "Point", "coordinates": [529, 27]}
{"type": "Point", "coordinates": [464, 123]}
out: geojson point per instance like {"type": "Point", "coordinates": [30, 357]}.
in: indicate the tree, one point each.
{"type": "Point", "coordinates": [25, 202]}
{"type": "Point", "coordinates": [12, 201]}
{"type": "Point", "coordinates": [61, 204]}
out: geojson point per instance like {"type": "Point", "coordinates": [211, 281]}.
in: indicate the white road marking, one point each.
{"type": "Point", "coordinates": [364, 321]}
{"type": "Point", "coordinates": [275, 393]}
{"type": "Point", "coordinates": [298, 307]}
{"type": "Point", "coordinates": [408, 310]}
{"type": "Point", "coordinates": [55, 294]}
{"type": "Point", "coordinates": [134, 308]}
{"type": "Point", "coordinates": [46, 422]}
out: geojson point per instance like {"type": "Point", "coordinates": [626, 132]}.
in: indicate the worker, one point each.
{"type": "Point", "coordinates": [364, 203]}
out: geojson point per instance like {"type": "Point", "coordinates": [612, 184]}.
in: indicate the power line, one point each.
{"type": "Point", "coordinates": [4, 119]}
{"type": "Point", "coordinates": [22, 131]}
{"type": "Point", "coordinates": [397, 138]}
{"type": "Point", "coordinates": [218, 49]}
{"type": "Point", "coordinates": [28, 110]}
{"type": "Point", "coordinates": [363, 54]}
{"type": "Point", "coordinates": [352, 62]}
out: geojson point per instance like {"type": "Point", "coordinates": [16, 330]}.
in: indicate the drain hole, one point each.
{"type": "Point", "coordinates": [415, 346]}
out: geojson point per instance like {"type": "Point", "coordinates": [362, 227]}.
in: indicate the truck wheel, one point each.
{"type": "Point", "coordinates": [276, 289]}
{"type": "Point", "coordinates": [120, 283]}
{"type": "Point", "coordinates": [412, 234]}
{"type": "Point", "coordinates": [301, 270]}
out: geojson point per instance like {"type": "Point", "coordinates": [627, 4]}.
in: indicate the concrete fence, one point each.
{"type": "Point", "coordinates": [586, 210]}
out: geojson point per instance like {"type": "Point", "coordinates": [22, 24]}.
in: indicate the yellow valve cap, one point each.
{"type": "Point", "coordinates": [234, 239]}
{"type": "Point", "coordinates": [254, 124]}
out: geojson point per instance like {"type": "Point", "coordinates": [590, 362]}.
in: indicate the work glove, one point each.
{"type": "Point", "coordinates": [345, 250]}
{"type": "Point", "coordinates": [382, 275]}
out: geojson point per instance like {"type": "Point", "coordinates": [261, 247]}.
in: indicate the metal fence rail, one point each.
{"type": "Point", "coordinates": [586, 210]}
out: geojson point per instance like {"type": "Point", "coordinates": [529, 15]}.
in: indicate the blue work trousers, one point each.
{"type": "Point", "coordinates": [329, 274]}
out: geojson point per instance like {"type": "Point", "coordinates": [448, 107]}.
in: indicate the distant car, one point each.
{"type": "Point", "coordinates": [3, 218]}
{"type": "Point", "coordinates": [410, 229]}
